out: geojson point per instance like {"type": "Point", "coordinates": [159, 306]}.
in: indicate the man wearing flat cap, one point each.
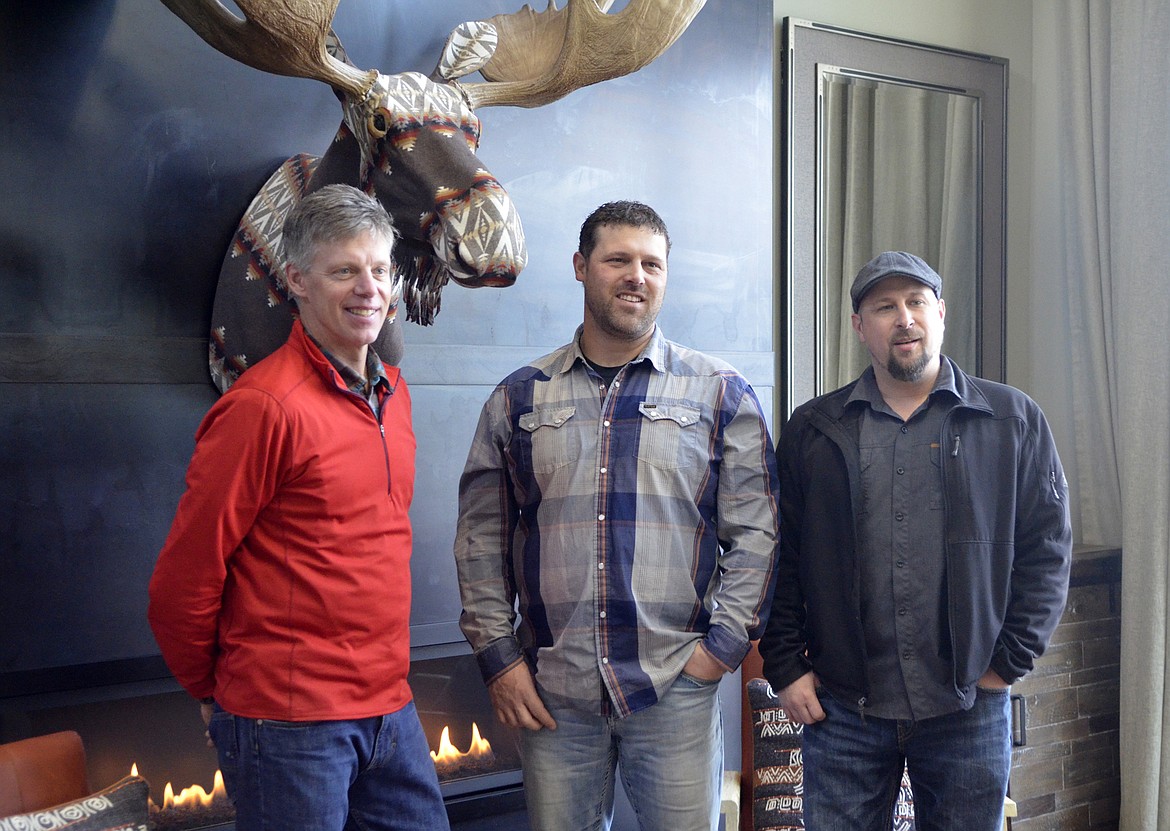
{"type": "Point", "coordinates": [924, 556]}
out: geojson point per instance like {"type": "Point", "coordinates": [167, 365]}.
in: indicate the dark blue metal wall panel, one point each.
{"type": "Point", "coordinates": [128, 151]}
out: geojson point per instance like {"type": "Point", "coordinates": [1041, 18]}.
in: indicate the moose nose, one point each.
{"type": "Point", "coordinates": [466, 258]}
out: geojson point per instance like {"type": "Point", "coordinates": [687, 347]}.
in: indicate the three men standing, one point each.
{"type": "Point", "coordinates": [622, 498]}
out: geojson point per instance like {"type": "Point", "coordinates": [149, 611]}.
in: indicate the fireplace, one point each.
{"type": "Point", "coordinates": [154, 725]}
{"type": "Point", "coordinates": [450, 696]}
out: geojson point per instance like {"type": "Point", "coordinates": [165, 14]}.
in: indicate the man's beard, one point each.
{"type": "Point", "coordinates": [623, 327]}
{"type": "Point", "coordinates": [911, 370]}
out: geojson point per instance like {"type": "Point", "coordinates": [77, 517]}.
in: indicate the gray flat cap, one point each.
{"type": "Point", "coordinates": [891, 264]}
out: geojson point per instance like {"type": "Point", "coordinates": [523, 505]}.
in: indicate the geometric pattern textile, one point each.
{"type": "Point", "coordinates": [778, 768]}
{"type": "Point", "coordinates": [777, 764]}
{"type": "Point", "coordinates": [410, 141]}
{"type": "Point", "coordinates": [412, 146]}
{"type": "Point", "coordinates": [121, 807]}
{"type": "Point", "coordinates": [253, 311]}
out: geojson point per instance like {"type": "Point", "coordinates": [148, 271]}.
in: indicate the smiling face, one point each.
{"type": "Point", "coordinates": [345, 294]}
{"type": "Point", "coordinates": [625, 281]}
{"type": "Point", "coordinates": [900, 321]}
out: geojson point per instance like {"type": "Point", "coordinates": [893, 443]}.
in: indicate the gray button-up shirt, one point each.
{"type": "Point", "coordinates": [902, 545]}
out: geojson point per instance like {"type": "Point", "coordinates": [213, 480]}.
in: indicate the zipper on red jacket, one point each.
{"type": "Point", "coordinates": [385, 451]}
{"type": "Point", "coordinates": [377, 413]}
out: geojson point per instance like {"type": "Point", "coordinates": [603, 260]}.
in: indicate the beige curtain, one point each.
{"type": "Point", "coordinates": [1101, 303]}
{"type": "Point", "coordinates": [900, 168]}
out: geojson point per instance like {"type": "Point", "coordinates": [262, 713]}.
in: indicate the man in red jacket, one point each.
{"type": "Point", "coordinates": [281, 599]}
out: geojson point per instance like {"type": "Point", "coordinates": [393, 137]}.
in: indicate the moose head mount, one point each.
{"type": "Point", "coordinates": [410, 140]}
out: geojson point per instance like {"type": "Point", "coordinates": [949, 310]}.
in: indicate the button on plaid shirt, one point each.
{"type": "Point", "coordinates": [627, 525]}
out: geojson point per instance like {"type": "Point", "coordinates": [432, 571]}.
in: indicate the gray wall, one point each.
{"type": "Point", "coordinates": [128, 151]}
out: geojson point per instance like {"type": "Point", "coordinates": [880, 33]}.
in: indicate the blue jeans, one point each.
{"type": "Point", "coordinates": [670, 756]}
{"type": "Point", "coordinates": [373, 773]}
{"type": "Point", "coordinates": [958, 764]}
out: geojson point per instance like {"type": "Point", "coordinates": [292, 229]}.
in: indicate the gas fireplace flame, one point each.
{"type": "Point", "coordinates": [450, 755]}
{"type": "Point", "coordinates": [193, 797]}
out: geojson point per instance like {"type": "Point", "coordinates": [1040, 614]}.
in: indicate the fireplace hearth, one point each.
{"type": "Point", "coordinates": [155, 726]}
{"type": "Point", "coordinates": [450, 696]}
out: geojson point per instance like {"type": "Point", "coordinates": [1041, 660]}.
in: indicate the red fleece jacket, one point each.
{"type": "Point", "coordinates": [283, 588]}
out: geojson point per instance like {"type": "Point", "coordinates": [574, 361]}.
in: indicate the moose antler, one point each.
{"type": "Point", "coordinates": [285, 37]}
{"type": "Point", "coordinates": [544, 56]}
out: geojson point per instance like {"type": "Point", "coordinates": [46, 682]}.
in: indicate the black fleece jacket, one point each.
{"type": "Point", "coordinates": [1007, 531]}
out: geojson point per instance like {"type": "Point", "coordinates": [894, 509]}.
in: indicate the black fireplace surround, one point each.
{"type": "Point", "coordinates": [133, 713]}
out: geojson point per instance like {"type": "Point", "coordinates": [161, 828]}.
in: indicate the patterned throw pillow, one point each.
{"type": "Point", "coordinates": [121, 807]}
{"type": "Point", "coordinates": [904, 807]}
{"type": "Point", "coordinates": [778, 776]}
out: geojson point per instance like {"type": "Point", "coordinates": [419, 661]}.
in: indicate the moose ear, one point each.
{"type": "Point", "coordinates": [469, 46]}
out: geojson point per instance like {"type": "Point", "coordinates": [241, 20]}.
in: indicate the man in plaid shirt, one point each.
{"type": "Point", "coordinates": [620, 493]}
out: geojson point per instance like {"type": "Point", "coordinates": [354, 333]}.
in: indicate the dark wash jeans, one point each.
{"type": "Point", "coordinates": [958, 763]}
{"type": "Point", "coordinates": [373, 773]}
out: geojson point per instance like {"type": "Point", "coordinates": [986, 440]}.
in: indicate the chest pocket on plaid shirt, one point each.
{"type": "Point", "coordinates": [550, 446]}
{"type": "Point", "coordinates": [672, 435]}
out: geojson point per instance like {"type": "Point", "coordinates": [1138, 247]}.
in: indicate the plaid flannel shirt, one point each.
{"type": "Point", "coordinates": [625, 525]}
